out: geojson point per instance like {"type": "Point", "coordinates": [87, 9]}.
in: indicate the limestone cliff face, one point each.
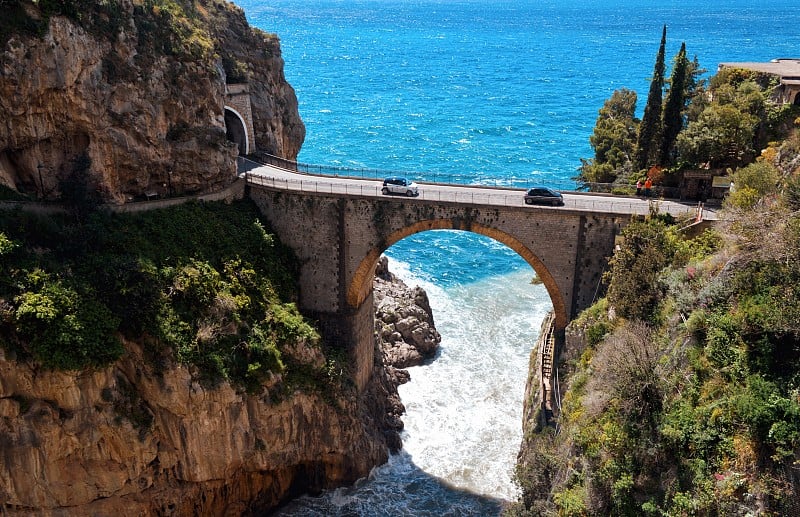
{"type": "Point", "coordinates": [128, 98]}
{"type": "Point", "coordinates": [144, 437]}
{"type": "Point", "coordinates": [132, 440]}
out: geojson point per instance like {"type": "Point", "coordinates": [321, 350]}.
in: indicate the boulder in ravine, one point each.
{"type": "Point", "coordinates": [405, 336]}
{"type": "Point", "coordinates": [403, 320]}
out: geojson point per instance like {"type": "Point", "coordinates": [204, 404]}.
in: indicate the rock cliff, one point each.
{"type": "Point", "coordinates": [127, 98]}
{"type": "Point", "coordinates": [143, 436]}
{"type": "Point", "coordinates": [406, 336]}
{"type": "Point", "coordinates": [131, 440]}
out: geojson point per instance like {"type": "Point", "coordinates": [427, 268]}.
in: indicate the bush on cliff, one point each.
{"type": "Point", "coordinates": [690, 403]}
{"type": "Point", "coordinates": [164, 27]}
{"type": "Point", "coordinates": [207, 281]}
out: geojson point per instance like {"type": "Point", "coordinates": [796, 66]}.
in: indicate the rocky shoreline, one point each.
{"type": "Point", "coordinates": [405, 336]}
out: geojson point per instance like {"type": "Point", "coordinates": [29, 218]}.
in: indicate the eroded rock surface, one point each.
{"type": "Point", "coordinates": [125, 100]}
{"type": "Point", "coordinates": [144, 437]}
{"type": "Point", "coordinates": [131, 440]}
{"type": "Point", "coordinates": [403, 320]}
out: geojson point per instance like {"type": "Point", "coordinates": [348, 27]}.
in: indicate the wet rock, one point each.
{"type": "Point", "coordinates": [403, 320]}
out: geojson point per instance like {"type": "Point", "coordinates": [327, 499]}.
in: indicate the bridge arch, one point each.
{"type": "Point", "coordinates": [236, 130]}
{"type": "Point", "coordinates": [338, 239]}
{"type": "Point", "coordinates": [362, 283]}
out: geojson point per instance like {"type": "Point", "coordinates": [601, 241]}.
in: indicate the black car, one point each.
{"type": "Point", "coordinates": [543, 196]}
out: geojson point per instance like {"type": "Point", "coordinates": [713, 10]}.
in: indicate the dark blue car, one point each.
{"type": "Point", "coordinates": [543, 196]}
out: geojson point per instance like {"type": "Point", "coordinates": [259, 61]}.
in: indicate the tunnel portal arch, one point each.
{"type": "Point", "coordinates": [361, 285]}
{"type": "Point", "coordinates": [236, 130]}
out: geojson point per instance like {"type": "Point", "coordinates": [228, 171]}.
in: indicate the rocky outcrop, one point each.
{"type": "Point", "coordinates": [403, 319]}
{"type": "Point", "coordinates": [133, 440]}
{"type": "Point", "coordinates": [123, 99]}
{"type": "Point", "coordinates": [405, 335]}
{"type": "Point", "coordinates": [145, 437]}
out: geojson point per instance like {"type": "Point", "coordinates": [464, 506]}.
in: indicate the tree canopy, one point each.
{"type": "Point", "coordinates": [648, 143]}
{"type": "Point", "coordinates": [614, 138]}
{"type": "Point", "coordinates": [721, 136]}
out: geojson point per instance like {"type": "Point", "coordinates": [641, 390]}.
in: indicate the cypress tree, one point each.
{"type": "Point", "coordinates": [694, 91]}
{"type": "Point", "coordinates": [694, 82]}
{"type": "Point", "coordinates": [672, 120]}
{"type": "Point", "coordinates": [650, 128]}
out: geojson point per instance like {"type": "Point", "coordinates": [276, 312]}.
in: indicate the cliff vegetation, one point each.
{"type": "Point", "coordinates": [683, 391]}
{"type": "Point", "coordinates": [156, 364]}
{"type": "Point", "coordinates": [219, 297]}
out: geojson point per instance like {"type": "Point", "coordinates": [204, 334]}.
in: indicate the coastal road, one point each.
{"type": "Point", "coordinates": [283, 179]}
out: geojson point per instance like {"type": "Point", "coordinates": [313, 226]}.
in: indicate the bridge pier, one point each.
{"type": "Point", "coordinates": [352, 330]}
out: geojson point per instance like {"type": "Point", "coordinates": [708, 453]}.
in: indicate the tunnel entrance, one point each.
{"type": "Point", "coordinates": [235, 130]}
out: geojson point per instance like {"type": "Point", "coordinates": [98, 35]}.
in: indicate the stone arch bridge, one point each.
{"type": "Point", "coordinates": [339, 227]}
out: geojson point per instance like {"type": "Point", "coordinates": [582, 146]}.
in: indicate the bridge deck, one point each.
{"type": "Point", "coordinates": [274, 177]}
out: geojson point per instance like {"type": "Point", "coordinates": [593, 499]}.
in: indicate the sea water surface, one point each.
{"type": "Point", "coordinates": [487, 92]}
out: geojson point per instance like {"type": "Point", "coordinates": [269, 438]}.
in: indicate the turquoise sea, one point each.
{"type": "Point", "coordinates": [484, 91]}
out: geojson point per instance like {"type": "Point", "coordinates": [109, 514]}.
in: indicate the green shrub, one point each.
{"type": "Point", "coordinates": [724, 343]}
{"type": "Point", "coordinates": [262, 359]}
{"type": "Point", "coordinates": [596, 332]}
{"type": "Point", "coordinates": [697, 323]}
{"type": "Point", "coordinates": [634, 290]}
{"type": "Point", "coordinates": [743, 198]}
{"type": "Point", "coordinates": [196, 284]}
{"type": "Point", "coordinates": [290, 324]}
{"type": "Point", "coordinates": [572, 501]}
{"type": "Point", "coordinates": [6, 244]}
{"type": "Point", "coordinates": [752, 183]}
{"type": "Point", "coordinates": [66, 329]}
{"type": "Point", "coordinates": [206, 281]}
{"type": "Point", "coordinates": [695, 249]}
{"type": "Point", "coordinates": [130, 287]}
{"type": "Point", "coordinates": [623, 191]}
{"type": "Point", "coordinates": [792, 193]}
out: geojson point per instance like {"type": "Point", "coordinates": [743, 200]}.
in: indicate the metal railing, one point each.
{"type": "Point", "coordinates": [367, 173]}
{"type": "Point", "coordinates": [450, 179]}
{"type": "Point", "coordinates": [657, 191]}
{"type": "Point", "coordinates": [471, 194]}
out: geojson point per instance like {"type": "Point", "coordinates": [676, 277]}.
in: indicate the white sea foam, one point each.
{"type": "Point", "coordinates": [464, 409]}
